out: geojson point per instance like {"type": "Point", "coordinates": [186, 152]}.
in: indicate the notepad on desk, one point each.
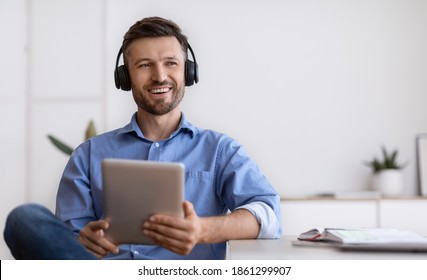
{"type": "Point", "coordinates": [367, 239]}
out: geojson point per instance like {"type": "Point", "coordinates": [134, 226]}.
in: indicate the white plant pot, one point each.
{"type": "Point", "coordinates": [388, 182]}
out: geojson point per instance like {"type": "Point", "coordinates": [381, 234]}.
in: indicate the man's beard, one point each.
{"type": "Point", "coordinates": [159, 107]}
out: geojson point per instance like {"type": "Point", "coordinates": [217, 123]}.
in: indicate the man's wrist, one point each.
{"type": "Point", "coordinates": [205, 228]}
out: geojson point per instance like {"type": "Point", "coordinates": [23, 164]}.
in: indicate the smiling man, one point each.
{"type": "Point", "coordinates": [156, 68]}
{"type": "Point", "coordinates": [226, 195]}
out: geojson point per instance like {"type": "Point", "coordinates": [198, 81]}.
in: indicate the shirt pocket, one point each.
{"type": "Point", "coordinates": [200, 190]}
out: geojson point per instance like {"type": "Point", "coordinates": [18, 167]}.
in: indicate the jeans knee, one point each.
{"type": "Point", "coordinates": [25, 212]}
{"type": "Point", "coordinates": [23, 217]}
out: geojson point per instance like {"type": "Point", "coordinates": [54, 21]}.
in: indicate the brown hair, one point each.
{"type": "Point", "coordinates": [153, 27]}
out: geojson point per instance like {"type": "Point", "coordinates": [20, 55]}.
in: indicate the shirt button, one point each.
{"type": "Point", "coordinates": [157, 144]}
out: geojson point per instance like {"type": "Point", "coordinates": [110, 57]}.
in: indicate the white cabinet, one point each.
{"type": "Point", "coordinates": [408, 214]}
{"type": "Point", "coordinates": [301, 214]}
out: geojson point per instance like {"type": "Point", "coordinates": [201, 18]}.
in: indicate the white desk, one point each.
{"type": "Point", "coordinates": [282, 249]}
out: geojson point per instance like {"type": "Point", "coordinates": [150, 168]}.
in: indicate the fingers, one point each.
{"type": "Point", "coordinates": [179, 235]}
{"type": "Point", "coordinates": [92, 237]}
{"type": "Point", "coordinates": [162, 231]}
{"type": "Point", "coordinates": [172, 243]}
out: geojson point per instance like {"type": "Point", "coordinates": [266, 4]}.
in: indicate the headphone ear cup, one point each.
{"type": "Point", "coordinates": [196, 72]}
{"type": "Point", "coordinates": [189, 73]}
{"type": "Point", "coordinates": [122, 79]}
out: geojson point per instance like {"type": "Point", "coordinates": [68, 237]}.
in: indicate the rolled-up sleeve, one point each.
{"type": "Point", "coordinates": [270, 227]}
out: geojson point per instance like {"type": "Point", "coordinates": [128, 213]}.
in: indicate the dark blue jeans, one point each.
{"type": "Point", "coordinates": [33, 232]}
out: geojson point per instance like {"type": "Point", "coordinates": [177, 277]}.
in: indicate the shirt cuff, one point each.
{"type": "Point", "coordinates": [270, 227]}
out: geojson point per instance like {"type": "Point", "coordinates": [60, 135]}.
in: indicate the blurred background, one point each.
{"type": "Point", "coordinates": [312, 89]}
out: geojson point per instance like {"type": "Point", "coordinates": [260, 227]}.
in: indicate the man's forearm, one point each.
{"type": "Point", "coordinates": [240, 224]}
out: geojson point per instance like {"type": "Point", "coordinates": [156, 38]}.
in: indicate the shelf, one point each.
{"type": "Point", "coordinates": [331, 198]}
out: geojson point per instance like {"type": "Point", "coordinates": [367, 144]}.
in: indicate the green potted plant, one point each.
{"type": "Point", "coordinates": [387, 177]}
{"type": "Point", "coordinates": [65, 148]}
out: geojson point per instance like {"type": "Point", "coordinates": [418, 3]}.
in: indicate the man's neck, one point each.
{"type": "Point", "coordinates": [157, 128]}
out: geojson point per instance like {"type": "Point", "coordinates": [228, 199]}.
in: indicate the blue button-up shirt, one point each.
{"type": "Point", "coordinates": [219, 177]}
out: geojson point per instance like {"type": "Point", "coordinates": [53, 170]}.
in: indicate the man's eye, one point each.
{"type": "Point", "coordinates": [171, 63]}
{"type": "Point", "coordinates": [144, 65]}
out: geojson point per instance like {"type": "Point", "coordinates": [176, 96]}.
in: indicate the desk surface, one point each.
{"type": "Point", "coordinates": [283, 249]}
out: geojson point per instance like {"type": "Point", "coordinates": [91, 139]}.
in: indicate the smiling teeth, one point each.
{"type": "Point", "coordinates": [159, 90]}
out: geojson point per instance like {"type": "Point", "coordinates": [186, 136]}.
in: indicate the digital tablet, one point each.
{"type": "Point", "coordinates": [134, 190]}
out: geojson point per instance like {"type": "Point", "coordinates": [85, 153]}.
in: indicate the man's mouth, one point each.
{"type": "Point", "coordinates": [159, 90]}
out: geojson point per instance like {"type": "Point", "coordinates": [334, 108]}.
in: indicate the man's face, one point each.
{"type": "Point", "coordinates": [156, 67]}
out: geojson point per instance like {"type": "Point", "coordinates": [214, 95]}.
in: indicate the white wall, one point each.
{"type": "Point", "coordinates": [310, 88]}
{"type": "Point", "coordinates": [13, 109]}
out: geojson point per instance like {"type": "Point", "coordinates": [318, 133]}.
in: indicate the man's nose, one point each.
{"type": "Point", "coordinates": [159, 74]}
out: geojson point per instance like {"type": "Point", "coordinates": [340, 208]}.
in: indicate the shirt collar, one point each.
{"type": "Point", "coordinates": [184, 126]}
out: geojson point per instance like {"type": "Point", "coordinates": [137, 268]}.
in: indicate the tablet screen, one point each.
{"type": "Point", "coordinates": [136, 189]}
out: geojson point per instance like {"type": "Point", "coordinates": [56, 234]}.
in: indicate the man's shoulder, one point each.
{"type": "Point", "coordinates": [108, 138]}
{"type": "Point", "coordinates": [213, 134]}
{"type": "Point", "coordinates": [213, 137]}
